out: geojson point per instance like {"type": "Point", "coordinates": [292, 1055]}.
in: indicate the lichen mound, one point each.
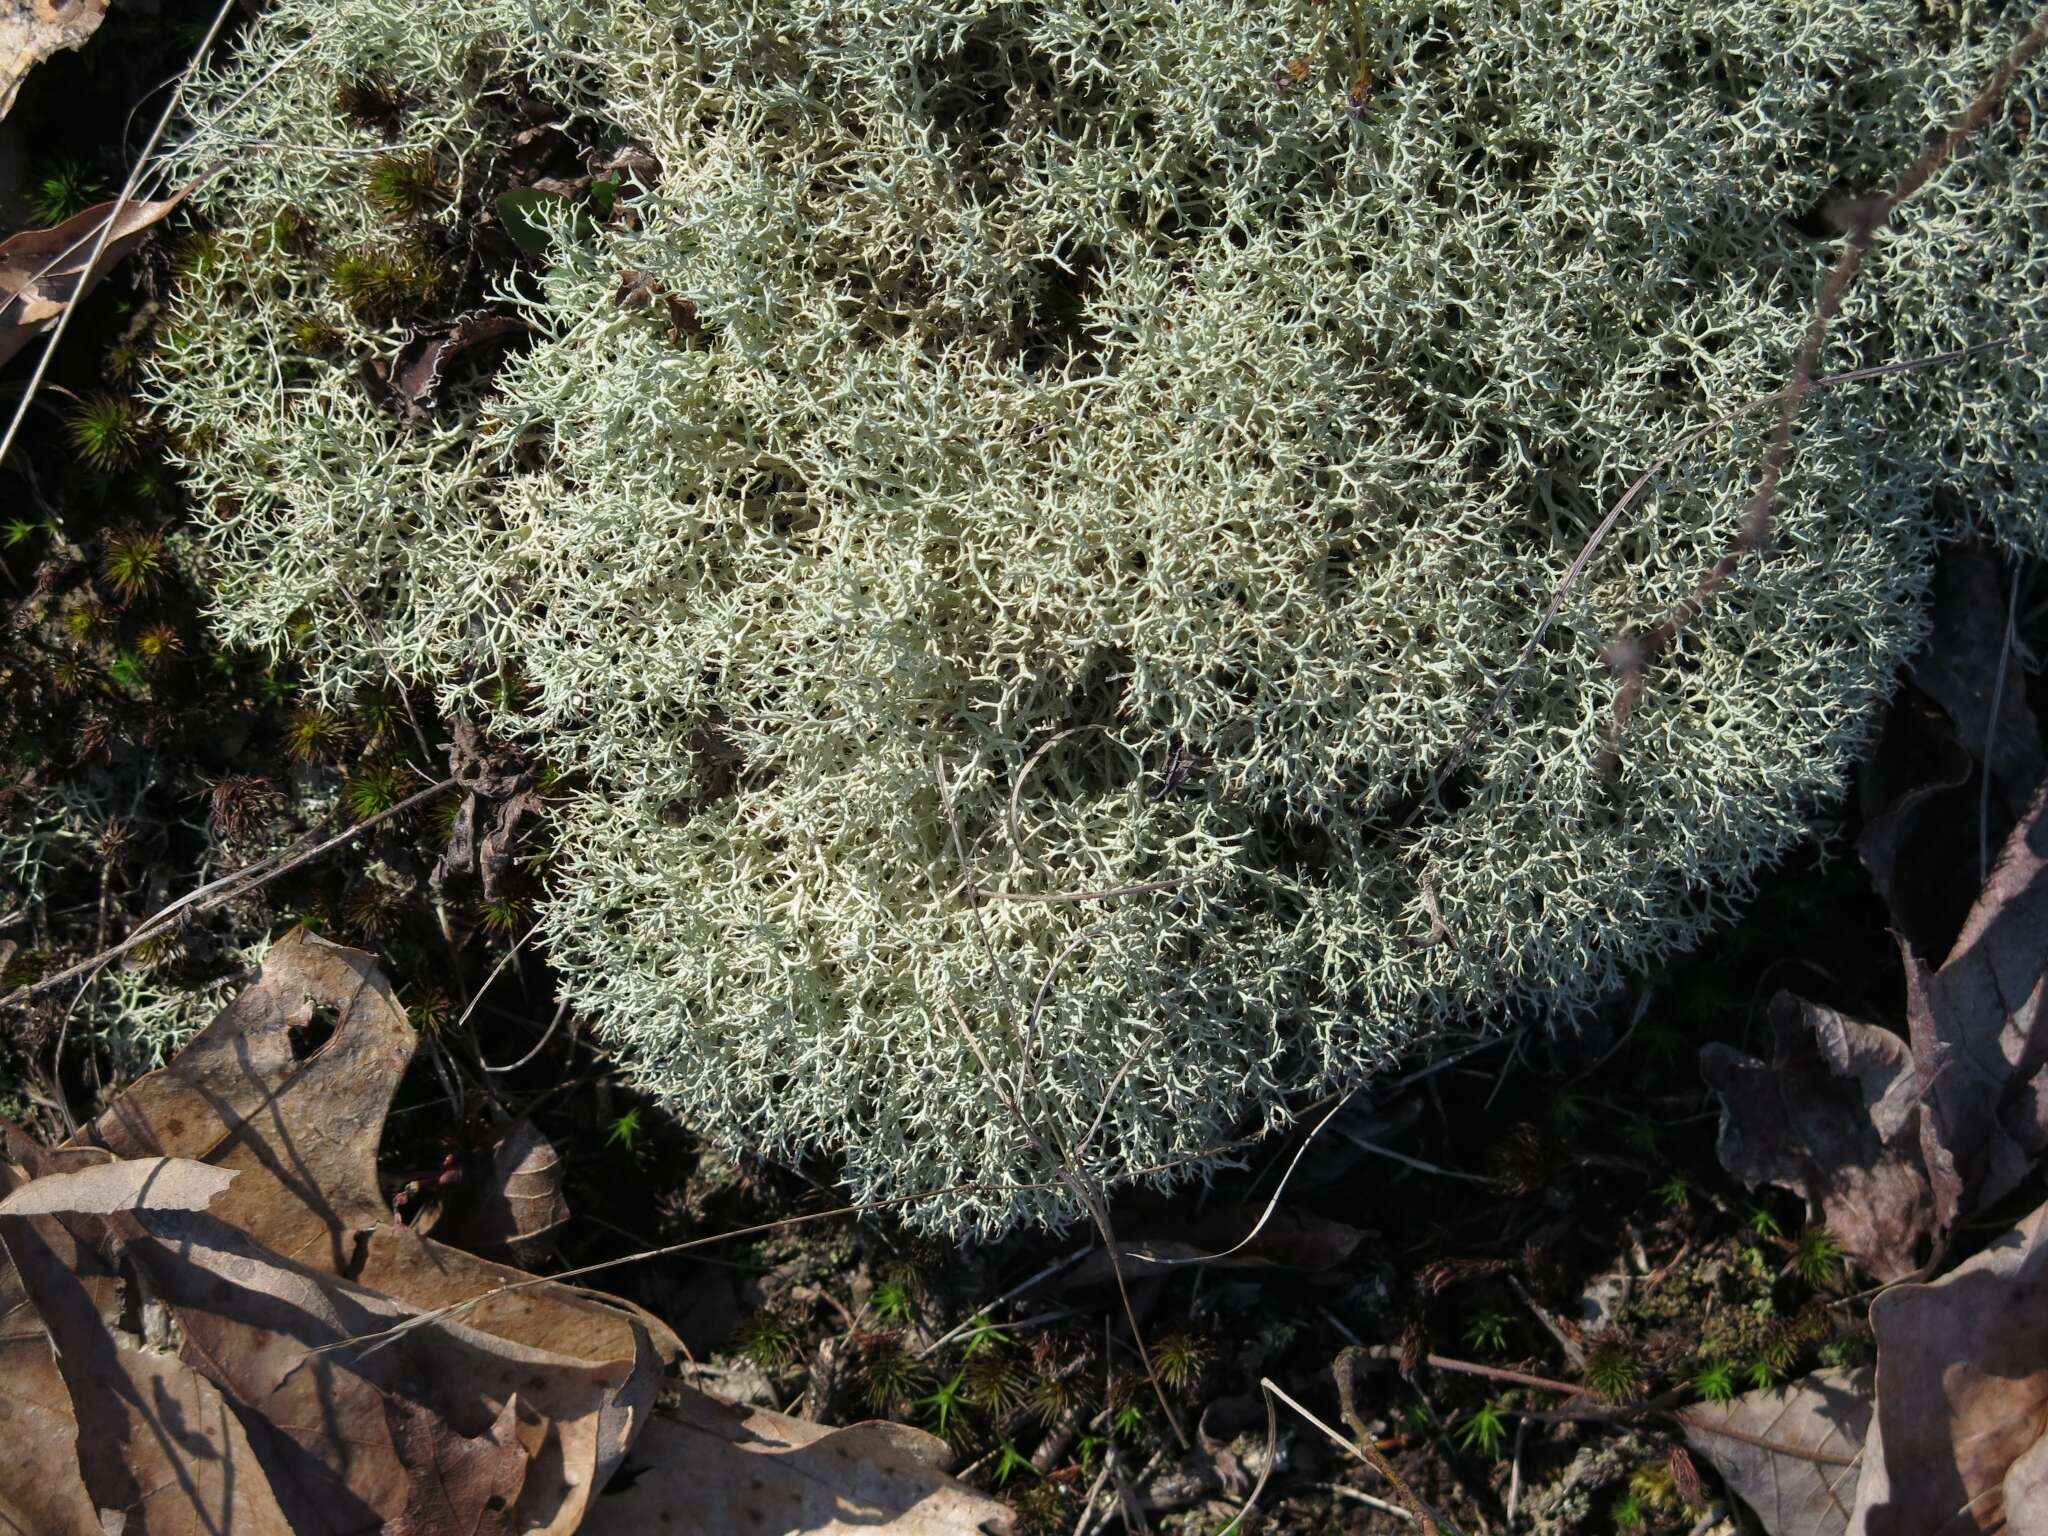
{"type": "Point", "coordinates": [1002, 516]}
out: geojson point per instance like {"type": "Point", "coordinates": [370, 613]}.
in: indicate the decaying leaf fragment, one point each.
{"type": "Point", "coordinates": [1960, 1442]}
{"type": "Point", "coordinates": [305, 1365]}
{"type": "Point", "coordinates": [32, 30]}
{"type": "Point", "coordinates": [1793, 1454]}
{"type": "Point", "coordinates": [1980, 1046]}
{"type": "Point", "coordinates": [1835, 1118]}
{"type": "Point", "coordinates": [708, 1468]}
{"type": "Point", "coordinates": [44, 270]}
{"type": "Point", "coordinates": [1894, 1142]}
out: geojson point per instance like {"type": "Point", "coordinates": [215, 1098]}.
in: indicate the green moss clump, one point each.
{"type": "Point", "coordinates": [1175, 461]}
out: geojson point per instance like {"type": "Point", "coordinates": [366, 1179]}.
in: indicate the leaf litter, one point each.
{"type": "Point", "coordinates": [211, 1321]}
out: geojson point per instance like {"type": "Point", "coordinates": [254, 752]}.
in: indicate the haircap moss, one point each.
{"type": "Point", "coordinates": [1018, 618]}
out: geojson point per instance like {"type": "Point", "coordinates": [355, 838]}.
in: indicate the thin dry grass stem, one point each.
{"type": "Point", "coordinates": [106, 230]}
{"type": "Point", "coordinates": [1630, 657]}
{"type": "Point", "coordinates": [1568, 583]}
{"type": "Point", "coordinates": [216, 893]}
{"type": "Point", "coordinates": [561, 1013]}
{"type": "Point", "coordinates": [1272, 1204]}
{"type": "Point", "coordinates": [1047, 1146]}
{"type": "Point", "coordinates": [1422, 1513]}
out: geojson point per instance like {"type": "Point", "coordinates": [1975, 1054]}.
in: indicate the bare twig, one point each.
{"type": "Point", "coordinates": [1630, 657]}
{"type": "Point", "coordinates": [216, 893]}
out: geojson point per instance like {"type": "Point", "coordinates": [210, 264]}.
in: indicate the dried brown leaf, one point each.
{"type": "Point", "coordinates": [158, 1451]}
{"type": "Point", "coordinates": [1960, 1443]}
{"type": "Point", "coordinates": [1980, 1049]}
{"type": "Point", "coordinates": [498, 794]}
{"type": "Point", "coordinates": [710, 1468]}
{"type": "Point", "coordinates": [1793, 1455]}
{"type": "Point", "coordinates": [1835, 1118]}
{"type": "Point", "coordinates": [346, 1372]}
{"type": "Point", "coordinates": [426, 360]}
{"type": "Point", "coordinates": [458, 1485]}
{"type": "Point", "coordinates": [41, 1489]}
{"type": "Point", "coordinates": [517, 1204]}
{"type": "Point", "coordinates": [32, 30]}
{"type": "Point", "coordinates": [44, 270]}
{"type": "Point", "coordinates": [130, 1184]}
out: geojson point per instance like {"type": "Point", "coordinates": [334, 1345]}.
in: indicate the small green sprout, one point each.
{"type": "Point", "coordinates": [891, 1302]}
{"type": "Point", "coordinates": [1485, 1430]}
{"type": "Point", "coordinates": [1488, 1330]}
{"type": "Point", "coordinates": [108, 431]}
{"type": "Point", "coordinates": [1009, 1463]}
{"type": "Point", "coordinates": [1817, 1257]}
{"type": "Point", "coordinates": [1715, 1383]}
{"type": "Point", "coordinates": [17, 531]}
{"type": "Point", "coordinates": [981, 1335]}
{"type": "Point", "coordinates": [403, 186]}
{"type": "Point", "coordinates": [767, 1338]}
{"type": "Point", "coordinates": [944, 1399]}
{"type": "Point", "coordinates": [501, 916]}
{"type": "Point", "coordinates": [311, 733]}
{"type": "Point", "coordinates": [65, 189]}
{"type": "Point", "coordinates": [1764, 1376]}
{"type": "Point", "coordinates": [888, 1371]}
{"type": "Point", "coordinates": [1180, 1358]}
{"type": "Point", "coordinates": [132, 562]}
{"type": "Point", "coordinates": [376, 789]}
{"type": "Point", "coordinates": [1127, 1421]}
{"type": "Point", "coordinates": [1763, 1223]}
{"type": "Point", "coordinates": [1630, 1514]}
{"type": "Point", "coordinates": [1676, 1192]}
{"type": "Point", "coordinates": [314, 336]}
{"type": "Point", "coordinates": [995, 1385]}
{"type": "Point", "coordinates": [127, 670]}
{"type": "Point", "coordinates": [1613, 1371]}
{"type": "Point", "coordinates": [626, 1130]}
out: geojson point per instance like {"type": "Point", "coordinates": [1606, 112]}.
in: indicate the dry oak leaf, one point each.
{"type": "Point", "coordinates": [32, 30]}
{"type": "Point", "coordinates": [1793, 1455]}
{"type": "Point", "coordinates": [310, 1366]}
{"type": "Point", "coordinates": [290, 1085]}
{"type": "Point", "coordinates": [126, 1437]}
{"type": "Point", "coordinates": [1980, 1047]}
{"type": "Point", "coordinates": [1835, 1118]}
{"type": "Point", "coordinates": [102, 1188]}
{"type": "Point", "coordinates": [458, 1485]}
{"type": "Point", "coordinates": [44, 270]}
{"type": "Point", "coordinates": [706, 1467]}
{"type": "Point", "coordinates": [1960, 1442]}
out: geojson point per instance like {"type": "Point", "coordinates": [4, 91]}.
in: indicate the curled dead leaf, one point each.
{"type": "Point", "coordinates": [1835, 1118]}
{"type": "Point", "coordinates": [43, 271]}
{"type": "Point", "coordinates": [1980, 1046]}
{"type": "Point", "coordinates": [1960, 1441]}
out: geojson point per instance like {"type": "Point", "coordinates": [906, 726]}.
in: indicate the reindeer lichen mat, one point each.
{"type": "Point", "coordinates": [999, 510]}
